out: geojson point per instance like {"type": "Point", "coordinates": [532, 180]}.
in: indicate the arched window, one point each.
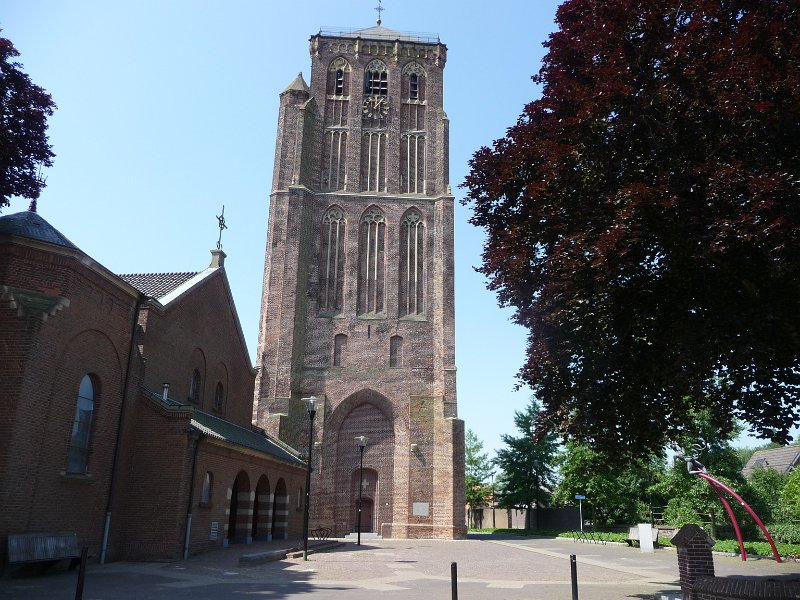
{"type": "Point", "coordinates": [77, 459]}
{"type": "Point", "coordinates": [376, 79]}
{"type": "Point", "coordinates": [395, 351]}
{"type": "Point", "coordinates": [413, 78]}
{"type": "Point", "coordinates": [194, 387]}
{"type": "Point", "coordinates": [219, 397]}
{"type": "Point", "coordinates": [338, 77]}
{"type": "Point", "coordinates": [205, 495]}
{"type": "Point", "coordinates": [339, 349]}
{"type": "Point", "coordinates": [371, 267]}
{"type": "Point", "coordinates": [332, 267]}
{"type": "Point", "coordinates": [412, 265]}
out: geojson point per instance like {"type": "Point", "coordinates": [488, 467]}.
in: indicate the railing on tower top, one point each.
{"type": "Point", "coordinates": [407, 36]}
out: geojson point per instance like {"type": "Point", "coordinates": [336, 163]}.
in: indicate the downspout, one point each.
{"type": "Point", "coordinates": [131, 349]}
{"type": "Point", "coordinates": [191, 497]}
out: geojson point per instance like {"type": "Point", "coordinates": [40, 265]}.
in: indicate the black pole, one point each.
{"type": "Point", "coordinates": [81, 573]}
{"type": "Point", "coordinates": [454, 580]}
{"type": "Point", "coordinates": [360, 484]}
{"type": "Point", "coordinates": [311, 413]}
{"type": "Point", "coordinates": [573, 568]}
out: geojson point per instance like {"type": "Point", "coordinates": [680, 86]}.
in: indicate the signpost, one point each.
{"type": "Point", "coordinates": [580, 498]}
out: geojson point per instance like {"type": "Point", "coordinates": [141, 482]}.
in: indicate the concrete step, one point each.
{"type": "Point", "coordinates": [364, 536]}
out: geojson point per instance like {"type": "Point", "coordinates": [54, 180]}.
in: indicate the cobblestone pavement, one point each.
{"type": "Point", "coordinates": [488, 567]}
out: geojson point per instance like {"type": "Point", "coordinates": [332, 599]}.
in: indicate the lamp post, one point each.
{"type": "Point", "coordinates": [362, 442]}
{"type": "Point", "coordinates": [311, 406]}
{"type": "Point", "coordinates": [493, 523]}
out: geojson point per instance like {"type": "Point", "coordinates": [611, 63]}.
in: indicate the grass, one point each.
{"type": "Point", "coordinates": [754, 548]}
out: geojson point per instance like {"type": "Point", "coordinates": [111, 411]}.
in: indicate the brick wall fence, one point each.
{"type": "Point", "coordinates": [696, 568]}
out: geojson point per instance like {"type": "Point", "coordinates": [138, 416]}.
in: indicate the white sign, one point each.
{"type": "Point", "coordinates": [579, 497]}
{"type": "Point", "coordinates": [646, 537]}
{"type": "Point", "coordinates": [420, 509]}
{"type": "Point", "coordinates": [214, 530]}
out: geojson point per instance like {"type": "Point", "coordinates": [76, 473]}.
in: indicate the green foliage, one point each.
{"type": "Point", "coordinates": [785, 533]}
{"type": "Point", "coordinates": [790, 496]}
{"type": "Point", "coordinates": [526, 464]}
{"type": "Point", "coordinates": [478, 469]}
{"type": "Point", "coordinates": [614, 494]}
{"type": "Point", "coordinates": [24, 147]}
{"type": "Point", "coordinates": [765, 487]}
{"type": "Point", "coordinates": [641, 220]}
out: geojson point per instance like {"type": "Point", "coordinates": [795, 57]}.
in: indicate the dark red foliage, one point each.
{"type": "Point", "coordinates": [643, 218]}
{"type": "Point", "coordinates": [24, 147]}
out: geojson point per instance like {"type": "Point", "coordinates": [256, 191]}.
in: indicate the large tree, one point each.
{"type": "Point", "coordinates": [478, 470]}
{"type": "Point", "coordinates": [643, 218]}
{"type": "Point", "coordinates": [24, 147]}
{"type": "Point", "coordinates": [527, 465]}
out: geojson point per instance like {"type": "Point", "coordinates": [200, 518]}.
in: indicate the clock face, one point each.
{"type": "Point", "coordinates": [376, 107]}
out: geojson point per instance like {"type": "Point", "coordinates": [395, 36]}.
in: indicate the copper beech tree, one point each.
{"type": "Point", "coordinates": [24, 147]}
{"type": "Point", "coordinates": [643, 220]}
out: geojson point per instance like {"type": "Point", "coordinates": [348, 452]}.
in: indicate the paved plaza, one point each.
{"type": "Point", "coordinates": [489, 567]}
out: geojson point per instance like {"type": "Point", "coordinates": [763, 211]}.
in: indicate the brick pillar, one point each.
{"type": "Point", "coordinates": [694, 557]}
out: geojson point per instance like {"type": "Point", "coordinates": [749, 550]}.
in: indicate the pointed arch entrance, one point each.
{"type": "Point", "coordinates": [240, 510]}
{"type": "Point", "coordinates": [369, 490]}
{"type": "Point", "coordinates": [364, 413]}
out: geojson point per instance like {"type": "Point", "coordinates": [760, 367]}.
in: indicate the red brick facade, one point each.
{"type": "Point", "coordinates": [64, 317]}
{"type": "Point", "coordinates": [358, 297]}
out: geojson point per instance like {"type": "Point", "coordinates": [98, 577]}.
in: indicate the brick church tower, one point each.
{"type": "Point", "coordinates": [357, 307]}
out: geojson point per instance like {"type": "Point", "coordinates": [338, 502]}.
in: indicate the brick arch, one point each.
{"type": "Point", "coordinates": [364, 413]}
{"type": "Point", "coordinates": [280, 512]}
{"type": "Point", "coordinates": [262, 510]}
{"type": "Point", "coordinates": [240, 511]}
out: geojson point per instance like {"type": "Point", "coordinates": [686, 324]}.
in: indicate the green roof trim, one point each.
{"type": "Point", "coordinates": [220, 429]}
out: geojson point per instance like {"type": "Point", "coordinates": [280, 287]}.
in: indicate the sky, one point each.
{"type": "Point", "coordinates": [167, 110]}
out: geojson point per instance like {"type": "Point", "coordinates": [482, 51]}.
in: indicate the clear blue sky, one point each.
{"type": "Point", "coordinates": [167, 109]}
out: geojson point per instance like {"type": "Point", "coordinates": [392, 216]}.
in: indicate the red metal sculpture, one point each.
{"type": "Point", "coordinates": [697, 468]}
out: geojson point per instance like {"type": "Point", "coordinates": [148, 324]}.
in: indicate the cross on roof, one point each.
{"type": "Point", "coordinates": [379, 9]}
{"type": "Point", "coordinates": [222, 225]}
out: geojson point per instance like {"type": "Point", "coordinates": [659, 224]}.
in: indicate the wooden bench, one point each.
{"type": "Point", "coordinates": [633, 536]}
{"type": "Point", "coordinates": [43, 547]}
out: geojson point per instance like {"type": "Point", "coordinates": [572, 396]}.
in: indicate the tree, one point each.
{"type": "Point", "coordinates": [642, 220]}
{"type": "Point", "coordinates": [24, 147]}
{"type": "Point", "coordinates": [478, 469]}
{"type": "Point", "coordinates": [614, 494]}
{"type": "Point", "coordinates": [527, 465]}
{"type": "Point", "coordinates": [790, 496]}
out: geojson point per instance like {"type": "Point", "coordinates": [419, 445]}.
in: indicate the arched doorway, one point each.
{"type": "Point", "coordinates": [262, 511]}
{"type": "Point", "coordinates": [238, 521]}
{"type": "Point", "coordinates": [280, 512]}
{"type": "Point", "coordinates": [367, 513]}
{"type": "Point", "coordinates": [369, 491]}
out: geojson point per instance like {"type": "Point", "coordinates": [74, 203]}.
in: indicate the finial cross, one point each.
{"type": "Point", "coordinates": [379, 9]}
{"type": "Point", "coordinates": [221, 220]}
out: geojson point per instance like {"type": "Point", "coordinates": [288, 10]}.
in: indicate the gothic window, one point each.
{"type": "Point", "coordinates": [334, 160]}
{"type": "Point", "coordinates": [395, 351]}
{"type": "Point", "coordinates": [413, 154]}
{"type": "Point", "coordinates": [332, 267]}
{"type": "Point", "coordinates": [413, 78]}
{"type": "Point", "coordinates": [338, 77]}
{"type": "Point", "coordinates": [373, 161]}
{"type": "Point", "coordinates": [412, 265]}
{"type": "Point", "coordinates": [78, 456]}
{"type": "Point", "coordinates": [194, 387]}
{"type": "Point", "coordinates": [219, 397]}
{"type": "Point", "coordinates": [413, 85]}
{"type": "Point", "coordinates": [339, 349]}
{"type": "Point", "coordinates": [412, 163]}
{"type": "Point", "coordinates": [371, 267]}
{"type": "Point", "coordinates": [376, 82]}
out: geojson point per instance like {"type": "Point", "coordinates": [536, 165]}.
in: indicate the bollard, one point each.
{"type": "Point", "coordinates": [573, 568]}
{"type": "Point", "coordinates": [454, 580]}
{"type": "Point", "coordinates": [81, 573]}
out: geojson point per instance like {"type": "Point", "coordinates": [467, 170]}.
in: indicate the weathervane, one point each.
{"type": "Point", "coordinates": [221, 219]}
{"type": "Point", "coordinates": [379, 9]}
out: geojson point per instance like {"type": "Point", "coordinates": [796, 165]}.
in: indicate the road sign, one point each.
{"type": "Point", "coordinates": [579, 497]}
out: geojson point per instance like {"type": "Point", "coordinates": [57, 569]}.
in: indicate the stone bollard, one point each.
{"type": "Point", "coordinates": [694, 556]}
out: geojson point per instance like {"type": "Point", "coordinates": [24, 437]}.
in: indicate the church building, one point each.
{"type": "Point", "coordinates": [358, 297]}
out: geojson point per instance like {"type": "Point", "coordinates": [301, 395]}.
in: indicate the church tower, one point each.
{"type": "Point", "coordinates": [357, 307]}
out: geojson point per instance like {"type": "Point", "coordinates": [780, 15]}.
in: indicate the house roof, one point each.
{"type": "Point", "coordinates": [220, 429]}
{"type": "Point", "coordinates": [781, 460]}
{"type": "Point", "coordinates": [30, 225]}
{"type": "Point", "coordinates": [157, 285]}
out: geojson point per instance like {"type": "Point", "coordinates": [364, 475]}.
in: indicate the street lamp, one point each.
{"type": "Point", "coordinates": [311, 406]}
{"type": "Point", "coordinates": [493, 524]}
{"type": "Point", "coordinates": [362, 442]}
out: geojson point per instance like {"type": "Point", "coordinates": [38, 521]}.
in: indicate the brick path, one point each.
{"type": "Point", "coordinates": [488, 567]}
